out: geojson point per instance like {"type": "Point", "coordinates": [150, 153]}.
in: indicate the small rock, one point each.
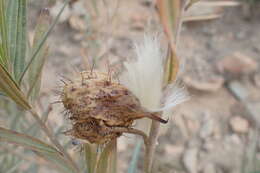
{"type": "Point", "coordinates": [257, 79]}
{"type": "Point", "coordinates": [190, 160]}
{"type": "Point", "coordinates": [193, 126]}
{"type": "Point", "coordinates": [77, 23]}
{"type": "Point", "coordinates": [239, 124]}
{"type": "Point", "coordinates": [174, 150]}
{"type": "Point", "coordinates": [201, 76]}
{"type": "Point", "coordinates": [138, 22]}
{"type": "Point", "coordinates": [209, 168]}
{"type": "Point", "coordinates": [211, 85]}
{"type": "Point", "coordinates": [209, 145]}
{"type": "Point", "coordinates": [237, 64]}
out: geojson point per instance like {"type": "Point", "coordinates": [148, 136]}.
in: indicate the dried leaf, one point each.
{"type": "Point", "coordinates": [170, 12]}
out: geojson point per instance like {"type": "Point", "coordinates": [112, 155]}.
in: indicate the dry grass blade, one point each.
{"type": "Point", "coordinates": [207, 10]}
{"type": "Point", "coordinates": [170, 14]}
{"type": "Point", "coordinates": [9, 87]}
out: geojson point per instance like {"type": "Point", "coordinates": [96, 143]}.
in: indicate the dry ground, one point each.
{"type": "Point", "coordinates": [213, 131]}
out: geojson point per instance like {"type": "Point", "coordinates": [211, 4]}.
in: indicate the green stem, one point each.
{"type": "Point", "coordinates": [101, 158]}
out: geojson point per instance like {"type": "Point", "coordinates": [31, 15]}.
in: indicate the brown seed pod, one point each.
{"type": "Point", "coordinates": [97, 104]}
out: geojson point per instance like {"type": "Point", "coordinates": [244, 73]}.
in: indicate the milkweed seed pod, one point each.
{"type": "Point", "coordinates": [97, 104]}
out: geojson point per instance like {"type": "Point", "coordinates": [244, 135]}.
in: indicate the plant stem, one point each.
{"type": "Point", "coordinates": [53, 138]}
{"type": "Point", "coordinates": [155, 127]}
{"type": "Point", "coordinates": [150, 149]}
{"type": "Point", "coordinates": [101, 158]}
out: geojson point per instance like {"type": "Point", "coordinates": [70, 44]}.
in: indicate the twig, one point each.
{"type": "Point", "coordinates": [133, 131]}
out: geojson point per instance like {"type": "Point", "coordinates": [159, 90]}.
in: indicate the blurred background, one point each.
{"type": "Point", "coordinates": [217, 130]}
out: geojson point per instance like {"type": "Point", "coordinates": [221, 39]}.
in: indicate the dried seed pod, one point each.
{"type": "Point", "coordinates": [97, 104]}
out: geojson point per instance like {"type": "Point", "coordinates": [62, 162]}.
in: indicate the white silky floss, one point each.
{"type": "Point", "coordinates": [144, 78]}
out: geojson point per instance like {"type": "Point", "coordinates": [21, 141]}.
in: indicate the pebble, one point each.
{"type": "Point", "coordinates": [239, 124]}
{"type": "Point", "coordinates": [257, 79]}
{"type": "Point", "coordinates": [174, 150]}
{"type": "Point", "coordinates": [77, 23]}
{"type": "Point", "coordinates": [237, 64]}
{"type": "Point", "coordinates": [211, 85]}
{"type": "Point", "coordinates": [190, 160]}
{"type": "Point", "coordinates": [209, 168]}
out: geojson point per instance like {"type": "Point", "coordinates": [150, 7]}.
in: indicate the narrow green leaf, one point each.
{"type": "Point", "coordinates": [108, 159]}
{"type": "Point", "coordinates": [101, 158]}
{"type": "Point", "coordinates": [91, 156]}
{"type": "Point", "coordinates": [17, 38]}
{"type": "Point", "coordinates": [35, 69]}
{"type": "Point", "coordinates": [21, 43]}
{"type": "Point", "coordinates": [3, 36]}
{"type": "Point", "coordinates": [41, 148]}
{"type": "Point", "coordinates": [58, 161]}
{"type": "Point", "coordinates": [9, 87]}
{"type": "Point", "coordinates": [12, 20]}
{"type": "Point", "coordinates": [41, 43]}
{"type": "Point", "coordinates": [25, 140]}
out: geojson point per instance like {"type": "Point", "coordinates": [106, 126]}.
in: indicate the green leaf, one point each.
{"type": "Point", "coordinates": [41, 148]}
{"type": "Point", "coordinates": [9, 87]}
{"type": "Point", "coordinates": [35, 69]}
{"type": "Point", "coordinates": [25, 140]}
{"type": "Point", "coordinates": [3, 35]}
{"type": "Point", "coordinates": [101, 158]}
{"type": "Point", "coordinates": [59, 162]}
{"type": "Point", "coordinates": [41, 43]}
{"type": "Point", "coordinates": [108, 158]}
{"type": "Point", "coordinates": [17, 34]}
